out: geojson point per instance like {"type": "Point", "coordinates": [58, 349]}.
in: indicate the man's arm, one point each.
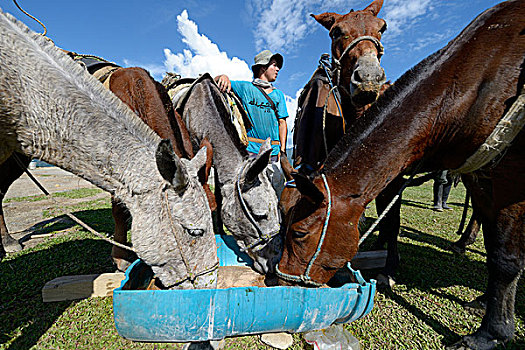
{"type": "Point", "coordinates": [283, 133]}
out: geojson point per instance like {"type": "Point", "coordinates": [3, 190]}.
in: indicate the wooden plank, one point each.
{"type": "Point", "coordinates": [374, 259]}
{"type": "Point", "coordinates": [81, 286]}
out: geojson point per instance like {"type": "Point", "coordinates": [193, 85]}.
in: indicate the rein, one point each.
{"type": "Point", "coordinates": [263, 237]}
{"type": "Point", "coordinates": [69, 214]}
{"type": "Point", "coordinates": [335, 72]}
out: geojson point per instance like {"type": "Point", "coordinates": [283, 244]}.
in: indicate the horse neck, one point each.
{"type": "Point", "coordinates": [206, 116]}
{"type": "Point", "coordinates": [66, 117]}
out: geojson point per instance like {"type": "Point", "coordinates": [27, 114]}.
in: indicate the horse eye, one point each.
{"type": "Point", "coordinates": [196, 232]}
{"type": "Point", "coordinates": [336, 33]}
{"type": "Point", "coordinates": [383, 29]}
{"type": "Point", "coordinates": [299, 234]}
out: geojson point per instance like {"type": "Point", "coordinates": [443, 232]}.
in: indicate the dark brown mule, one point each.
{"type": "Point", "coordinates": [436, 115]}
{"type": "Point", "coordinates": [150, 101]}
{"type": "Point", "coordinates": [355, 74]}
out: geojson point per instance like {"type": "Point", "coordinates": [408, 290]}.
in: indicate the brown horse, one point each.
{"type": "Point", "coordinates": [150, 101]}
{"type": "Point", "coordinates": [339, 92]}
{"type": "Point", "coordinates": [436, 116]}
{"type": "Point", "coordinates": [324, 115]}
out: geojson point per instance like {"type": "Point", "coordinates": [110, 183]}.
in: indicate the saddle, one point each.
{"type": "Point", "coordinates": [179, 89]}
{"type": "Point", "coordinates": [96, 66]}
{"type": "Point", "coordinates": [318, 114]}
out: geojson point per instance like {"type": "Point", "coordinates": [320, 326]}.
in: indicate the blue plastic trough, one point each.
{"type": "Point", "coordinates": [212, 314]}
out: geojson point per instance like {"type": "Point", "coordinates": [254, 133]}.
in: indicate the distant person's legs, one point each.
{"type": "Point", "coordinates": [439, 180]}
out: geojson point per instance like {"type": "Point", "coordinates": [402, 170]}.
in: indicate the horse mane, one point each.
{"type": "Point", "coordinates": [395, 94]}
{"type": "Point", "coordinates": [84, 81]}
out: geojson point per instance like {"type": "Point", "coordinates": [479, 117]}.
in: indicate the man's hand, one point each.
{"type": "Point", "coordinates": [223, 82]}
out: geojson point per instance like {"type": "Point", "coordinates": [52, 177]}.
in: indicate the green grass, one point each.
{"type": "Point", "coordinates": [423, 310]}
{"type": "Point", "coordinates": [72, 194]}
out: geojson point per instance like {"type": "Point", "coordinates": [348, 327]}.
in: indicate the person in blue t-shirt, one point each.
{"type": "Point", "coordinates": [267, 120]}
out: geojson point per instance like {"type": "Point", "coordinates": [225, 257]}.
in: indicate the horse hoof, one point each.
{"type": "Point", "coordinates": [473, 342]}
{"type": "Point", "coordinates": [384, 281]}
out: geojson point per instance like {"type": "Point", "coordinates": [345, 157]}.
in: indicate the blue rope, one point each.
{"type": "Point", "coordinates": [325, 227]}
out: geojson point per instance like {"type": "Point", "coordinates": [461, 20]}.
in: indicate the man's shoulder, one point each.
{"type": "Point", "coordinates": [241, 86]}
{"type": "Point", "coordinates": [278, 93]}
{"type": "Point", "coordinates": [241, 83]}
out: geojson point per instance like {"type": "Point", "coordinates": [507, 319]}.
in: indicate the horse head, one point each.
{"type": "Point", "coordinates": [319, 237]}
{"type": "Point", "coordinates": [175, 236]}
{"type": "Point", "coordinates": [357, 51]}
{"type": "Point", "coordinates": [253, 216]}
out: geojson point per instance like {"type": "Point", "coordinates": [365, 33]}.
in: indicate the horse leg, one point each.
{"type": "Point", "coordinates": [505, 264]}
{"type": "Point", "coordinates": [10, 170]}
{"type": "Point", "coordinates": [503, 231]}
{"type": "Point", "coordinates": [389, 230]}
{"type": "Point", "coordinates": [121, 257]}
{"type": "Point", "coordinates": [468, 236]}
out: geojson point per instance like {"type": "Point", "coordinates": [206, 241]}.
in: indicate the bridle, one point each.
{"type": "Point", "coordinates": [333, 73]}
{"type": "Point", "coordinates": [191, 276]}
{"type": "Point", "coordinates": [264, 238]}
{"type": "Point", "coordinates": [305, 278]}
{"type": "Point", "coordinates": [337, 61]}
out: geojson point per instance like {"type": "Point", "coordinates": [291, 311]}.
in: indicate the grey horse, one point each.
{"type": "Point", "coordinates": [248, 204]}
{"type": "Point", "coordinates": [52, 109]}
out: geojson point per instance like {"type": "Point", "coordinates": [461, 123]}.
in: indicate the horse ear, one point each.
{"type": "Point", "coordinates": [204, 171]}
{"type": "Point", "coordinates": [326, 19]}
{"type": "Point", "coordinates": [170, 167]}
{"type": "Point", "coordinates": [288, 169]}
{"type": "Point", "coordinates": [374, 7]}
{"type": "Point", "coordinates": [260, 162]}
{"type": "Point", "coordinates": [199, 160]}
{"type": "Point", "coordinates": [308, 188]}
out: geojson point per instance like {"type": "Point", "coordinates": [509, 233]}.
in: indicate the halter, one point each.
{"type": "Point", "coordinates": [190, 275]}
{"type": "Point", "coordinates": [337, 62]}
{"type": "Point", "coordinates": [263, 237]}
{"type": "Point", "coordinates": [305, 278]}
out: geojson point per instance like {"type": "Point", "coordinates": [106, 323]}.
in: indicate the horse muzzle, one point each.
{"type": "Point", "coordinates": [367, 79]}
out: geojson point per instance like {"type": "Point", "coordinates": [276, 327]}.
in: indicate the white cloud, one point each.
{"type": "Point", "coordinates": [282, 25]}
{"type": "Point", "coordinates": [291, 106]}
{"type": "Point", "coordinates": [202, 55]}
{"type": "Point", "coordinates": [402, 14]}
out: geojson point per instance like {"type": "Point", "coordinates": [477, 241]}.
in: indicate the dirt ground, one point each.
{"type": "Point", "coordinates": [23, 216]}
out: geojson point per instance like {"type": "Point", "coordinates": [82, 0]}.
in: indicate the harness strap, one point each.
{"type": "Point", "coordinates": [501, 137]}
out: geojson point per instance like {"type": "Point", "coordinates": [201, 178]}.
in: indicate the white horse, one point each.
{"type": "Point", "coordinates": [52, 109]}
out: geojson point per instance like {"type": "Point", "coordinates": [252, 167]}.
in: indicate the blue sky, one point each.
{"type": "Point", "coordinates": [196, 36]}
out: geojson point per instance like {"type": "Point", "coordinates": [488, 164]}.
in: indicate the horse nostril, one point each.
{"type": "Point", "coordinates": [196, 232]}
{"type": "Point", "coordinates": [356, 78]}
{"type": "Point", "coordinates": [381, 77]}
